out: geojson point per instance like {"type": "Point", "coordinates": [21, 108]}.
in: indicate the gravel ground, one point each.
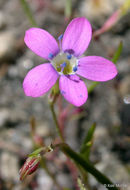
{"type": "Point", "coordinates": [108, 105]}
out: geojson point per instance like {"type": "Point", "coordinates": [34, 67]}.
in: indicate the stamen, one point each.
{"type": "Point", "coordinates": [60, 38]}
{"type": "Point", "coordinates": [50, 56]}
{"type": "Point", "coordinates": [75, 69]}
{"type": "Point", "coordinates": [69, 56]}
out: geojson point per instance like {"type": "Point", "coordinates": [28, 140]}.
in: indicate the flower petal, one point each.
{"type": "Point", "coordinates": [77, 36]}
{"type": "Point", "coordinates": [73, 89]}
{"type": "Point", "coordinates": [96, 68]}
{"type": "Point", "coordinates": [41, 42]}
{"type": "Point", "coordinates": [39, 80]}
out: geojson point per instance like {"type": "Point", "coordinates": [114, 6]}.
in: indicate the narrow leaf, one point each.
{"type": "Point", "coordinates": [28, 12]}
{"type": "Point", "coordinates": [87, 166]}
{"type": "Point", "coordinates": [87, 143]}
{"type": "Point", "coordinates": [36, 152]}
{"type": "Point", "coordinates": [117, 53]}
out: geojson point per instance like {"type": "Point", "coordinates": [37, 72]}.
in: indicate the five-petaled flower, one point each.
{"type": "Point", "coordinates": [65, 62]}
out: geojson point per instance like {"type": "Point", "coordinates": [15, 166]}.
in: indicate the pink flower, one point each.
{"type": "Point", "coordinates": [65, 62]}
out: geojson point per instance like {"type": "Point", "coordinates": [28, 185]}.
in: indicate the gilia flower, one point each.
{"type": "Point", "coordinates": [65, 62]}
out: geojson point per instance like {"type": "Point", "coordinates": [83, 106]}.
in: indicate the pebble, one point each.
{"type": "Point", "coordinates": [4, 116]}
{"type": "Point", "coordinates": [124, 87]}
{"type": "Point", "coordinates": [44, 181]}
{"type": "Point", "coordinates": [9, 162]}
{"type": "Point", "coordinates": [2, 20]}
{"type": "Point", "coordinates": [97, 10]}
{"type": "Point", "coordinates": [109, 163]}
{"type": "Point", "coordinates": [7, 46]}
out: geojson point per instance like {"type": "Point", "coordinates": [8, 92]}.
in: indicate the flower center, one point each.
{"type": "Point", "coordinates": [65, 63]}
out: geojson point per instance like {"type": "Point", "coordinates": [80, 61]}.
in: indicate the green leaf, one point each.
{"type": "Point", "coordinates": [86, 165]}
{"type": "Point", "coordinates": [36, 152]}
{"type": "Point", "coordinates": [125, 8]}
{"type": "Point", "coordinates": [28, 12]}
{"type": "Point", "coordinates": [87, 143]}
{"type": "Point", "coordinates": [92, 86]}
{"type": "Point", "coordinates": [42, 151]}
{"type": "Point", "coordinates": [117, 53]}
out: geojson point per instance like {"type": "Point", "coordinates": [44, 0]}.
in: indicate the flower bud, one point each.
{"type": "Point", "coordinates": [30, 166]}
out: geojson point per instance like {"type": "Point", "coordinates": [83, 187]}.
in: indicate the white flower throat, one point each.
{"type": "Point", "coordinates": [64, 63]}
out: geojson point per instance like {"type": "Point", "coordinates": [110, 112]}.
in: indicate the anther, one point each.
{"type": "Point", "coordinates": [50, 56]}
{"type": "Point", "coordinates": [75, 69]}
{"type": "Point", "coordinates": [69, 56]}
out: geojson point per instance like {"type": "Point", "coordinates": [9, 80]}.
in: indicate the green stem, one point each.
{"type": "Point", "coordinates": [28, 12]}
{"type": "Point", "coordinates": [56, 121]}
{"type": "Point", "coordinates": [79, 160]}
{"type": "Point", "coordinates": [68, 7]}
{"type": "Point", "coordinates": [92, 86]}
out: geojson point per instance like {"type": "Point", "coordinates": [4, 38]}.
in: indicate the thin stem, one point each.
{"type": "Point", "coordinates": [28, 12]}
{"type": "Point", "coordinates": [68, 8]}
{"type": "Point", "coordinates": [87, 166]}
{"type": "Point", "coordinates": [56, 121]}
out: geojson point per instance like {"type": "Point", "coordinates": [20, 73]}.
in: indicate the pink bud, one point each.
{"type": "Point", "coordinates": [30, 166]}
{"type": "Point", "coordinates": [112, 20]}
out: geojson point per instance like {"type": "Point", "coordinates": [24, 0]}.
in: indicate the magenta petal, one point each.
{"type": "Point", "coordinates": [41, 42]}
{"type": "Point", "coordinates": [39, 80]}
{"type": "Point", "coordinates": [96, 68]}
{"type": "Point", "coordinates": [73, 89]}
{"type": "Point", "coordinates": [77, 36]}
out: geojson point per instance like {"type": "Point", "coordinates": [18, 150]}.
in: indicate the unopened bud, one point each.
{"type": "Point", "coordinates": [30, 166]}
{"type": "Point", "coordinates": [32, 162]}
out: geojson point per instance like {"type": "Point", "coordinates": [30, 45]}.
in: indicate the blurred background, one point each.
{"type": "Point", "coordinates": [108, 105]}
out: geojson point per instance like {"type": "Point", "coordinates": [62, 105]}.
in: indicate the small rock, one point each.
{"type": "Point", "coordinates": [7, 46]}
{"type": "Point", "coordinates": [124, 87]}
{"type": "Point", "coordinates": [64, 180]}
{"type": "Point", "coordinates": [109, 163]}
{"type": "Point", "coordinates": [9, 162]}
{"type": "Point", "coordinates": [44, 181]}
{"type": "Point", "coordinates": [99, 9]}
{"type": "Point", "coordinates": [4, 116]}
{"type": "Point", "coordinates": [2, 20]}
